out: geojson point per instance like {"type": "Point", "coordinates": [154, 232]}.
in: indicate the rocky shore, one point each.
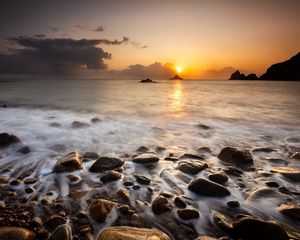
{"type": "Point", "coordinates": [149, 194]}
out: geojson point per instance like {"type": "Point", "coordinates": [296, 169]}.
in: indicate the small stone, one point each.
{"type": "Point", "coordinates": [179, 202]}
{"type": "Point", "coordinates": [7, 139]}
{"type": "Point", "coordinates": [208, 188]}
{"type": "Point", "coordinates": [99, 209]}
{"type": "Point", "coordinates": [233, 204]}
{"type": "Point", "coordinates": [296, 155]}
{"type": "Point", "coordinates": [106, 163]}
{"type": "Point", "coordinates": [90, 155]}
{"type": "Point", "coordinates": [142, 149]}
{"type": "Point", "coordinates": [95, 120]}
{"type": "Point", "coordinates": [128, 183]}
{"type": "Point", "coordinates": [29, 190]}
{"type": "Point", "coordinates": [69, 163]}
{"type": "Point", "coordinates": [236, 157]}
{"type": "Point", "coordinates": [160, 148]}
{"type": "Point", "coordinates": [272, 184]}
{"type": "Point", "coordinates": [24, 150]}
{"type": "Point", "coordinates": [77, 124]}
{"type": "Point", "coordinates": [188, 213]}
{"type": "Point", "coordinates": [36, 222]}
{"type": "Point", "coordinates": [111, 176]}
{"type": "Point", "coordinates": [55, 124]}
{"type": "Point", "coordinates": [167, 194]}
{"type": "Point", "coordinates": [191, 156]}
{"type": "Point", "coordinates": [15, 182]}
{"type": "Point", "coordinates": [124, 194]}
{"type": "Point", "coordinates": [16, 233]}
{"type": "Point", "coordinates": [234, 171]}
{"type": "Point", "coordinates": [63, 232]}
{"type": "Point", "coordinates": [191, 167]}
{"type": "Point", "coordinates": [30, 180]}
{"type": "Point", "coordinates": [161, 205]}
{"type": "Point", "coordinates": [124, 209]}
{"type": "Point", "coordinates": [136, 187]}
{"type": "Point", "coordinates": [218, 178]}
{"type": "Point", "coordinates": [55, 221]}
{"type": "Point", "coordinates": [143, 180]}
{"type": "Point", "coordinates": [145, 158]}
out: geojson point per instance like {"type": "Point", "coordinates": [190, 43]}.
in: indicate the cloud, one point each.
{"type": "Point", "coordinates": [53, 29]}
{"type": "Point", "coordinates": [138, 45]}
{"type": "Point", "coordinates": [223, 73]}
{"type": "Point", "coordinates": [53, 56]}
{"type": "Point", "coordinates": [99, 29]}
{"type": "Point", "coordinates": [114, 42]}
{"type": "Point", "coordinates": [156, 70]}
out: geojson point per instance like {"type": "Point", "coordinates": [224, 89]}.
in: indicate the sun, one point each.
{"type": "Point", "coordinates": [179, 69]}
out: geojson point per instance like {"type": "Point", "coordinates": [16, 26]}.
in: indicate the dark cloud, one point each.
{"type": "Point", "coordinates": [138, 71]}
{"type": "Point", "coordinates": [99, 29]}
{"type": "Point", "coordinates": [138, 45]}
{"type": "Point", "coordinates": [39, 35]}
{"type": "Point", "coordinates": [114, 42]}
{"type": "Point", "coordinates": [53, 56]}
{"type": "Point", "coordinates": [53, 29]}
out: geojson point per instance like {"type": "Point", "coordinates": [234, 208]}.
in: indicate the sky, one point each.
{"type": "Point", "coordinates": [139, 38]}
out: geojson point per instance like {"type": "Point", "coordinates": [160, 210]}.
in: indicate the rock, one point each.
{"type": "Point", "coordinates": [147, 81]}
{"type": "Point", "coordinates": [249, 228]}
{"type": "Point", "coordinates": [16, 233]}
{"type": "Point", "coordinates": [206, 238]}
{"type": "Point", "coordinates": [191, 167]}
{"type": "Point", "coordinates": [263, 149]}
{"type": "Point", "coordinates": [263, 193]}
{"type": "Point", "coordinates": [46, 201]}
{"type": "Point", "coordinates": [237, 75]}
{"type": "Point", "coordinates": [7, 139]}
{"type": "Point", "coordinates": [288, 70]}
{"type": "Point", "coordinates": [161, 205]}
{"type": "Point", "coordinates": [203, 126]}
{"type": "Point", "coordinates": [111, 176]}
{"type": "Point", "coordinates": [218, 178]}
{"type": "Point", "coordinates": [142, 149]}
{"type": "Point", "coordinates": [2, 205]}
{"type": "Point", "coordinates": [142, 180]}
{"type": "Point", "coordinates": [291, 211]}
{"type": "Point", "coordinates": [188, 213]}
{"type": "Point", "coordinates": [179, 202]}
{"type": "Point", "coordinates": [106, 163]}
{"type": "Point", "coordinates": [63, 232]}
{"type": "Point", "coordinates": [290, 173]}
{"type": "Point", "coordinates": [55, 124]}
{"type": "Point", "coordinates": [145, 158]}
{"type": "Point", "coordinates": [24, 150]}
{"type": "Point", "coordinates": [233, 204]}
{"type": "Point", "coordinates": [124, 194]}
{"type": "Point", "coordinates": [36, 223]}
{"type": "Point", "coordinates": [100, 208]}
{"type": "Point", "coordinates": [236, 157]}
{"type": "Point", "coordinates": [69, 163]}
{"type": "Point", "coordinates": [191, 156]}
{"type": "Point", "coordinates": [208, 188]}
{"type": "Point", "coordinates": [29, 190]}
{"type": "Point", "coordinates": [55, 221]}
{"type": "Point", "coordinates": [77, 124]}
{"type": "Point", "coordinates": [296, 155]}
{"type": "Point", "coordinates": [132, 233]}
{"type": "Point", "coordinates": [30, 180]}
{"type": "Point", "coordinates": [95, 120]}
{"type": "Point", "coordinates": [91, 155]}
{"type": "Point", "coordinates": [15, 182]}
{"type": "Point", "coordinates": [176, 77]}
{"type": "Point", "coordinates": [231, 170]}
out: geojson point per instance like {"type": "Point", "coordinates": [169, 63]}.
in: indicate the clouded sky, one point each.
{"type": "Point", "coordinates": [135, 37]}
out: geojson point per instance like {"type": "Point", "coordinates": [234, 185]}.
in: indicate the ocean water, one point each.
{"type": "Point", "coordinates": [181, 116]}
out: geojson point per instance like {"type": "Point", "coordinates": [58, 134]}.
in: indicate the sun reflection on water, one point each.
{"type": "Point", "coordinates": [177, 99]}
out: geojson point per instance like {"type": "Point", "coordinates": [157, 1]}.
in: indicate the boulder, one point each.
{"type": "Point", "coordinates": [16, 233]}
{"type": "Point", "coordinates": [7, 139]}
{"type": "Point", "coordinates": [145, 158]}
{"type": "Point", "coordinates": [192, 166]}
{"type": "Point", "coordinates": [132, 233]}
{"type": "Point", "coordinates": [69, 163]}
{"type": "Point", "coordinates": [161, 205]}
{"type": "Point", "coordinates": [289, 210]}
{"type": "Point", "coordinates": [219, 178]}
{"type": "Point", "coordinates": [208, 188]}
{"type": "Point", "coordinates": [188, 213]}
{"type": "Point", "coordinates": [111, 176]}
{"type": "Point", "coordinates": [236, 157]}
{"type": "Point", "coordinates": [106, 163]}
{"type": "Point", "coordinates": [100, 208]}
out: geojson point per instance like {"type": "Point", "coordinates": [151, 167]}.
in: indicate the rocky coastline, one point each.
{"type": "Point", "coordinates": [150, 194]}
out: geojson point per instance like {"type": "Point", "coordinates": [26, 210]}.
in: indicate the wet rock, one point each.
{"type": "Point", "coordinates": [142, 180]}
{"type": "Point", "coordinates": [160, 149]}
{"type": "Point", "coordinates": [36, 223]}
{"type": "Point", "coordinates": [100, 208]}
{"type": "Point", "coordinates": [16, 233]}
{"type": "Point", "coordinates": [2, 205]}
{"type": "Point", "coordinates": [161, 205]}
{"type": "Point", "coordinates": [77, 124]}
{"type": "Point", "coordinates": [90, 155]}
{"type": "Point", "coordinates": [29, 190]}
{"type": "Point", "coordinates": [69, 163]}
{"type": "Point", "coordinates": [191, 156]}
{"type": "Point", "coordinates": [236, 157]}
{"type": "Point", "coordinates": [167, 194]}
{"type": "Point", "coordinates": [179, 202]}
{"type": "Point", "coordinates": [249, 228]}
{"type": "Point", "coordinates": [205, 187]}
{"type": "Point", "coordinates": [30, 180]}
{"type": "Point", "coordinates": [296, 155]}
{"type": "Point", "coordinates": [290, 173]}
{"type": "Point", "coordinates": [124, 194]}
{"type": "Point", "coordinates": [172, 159]}
{"type": "Point", "coordinates": [73, 178]}
{"type": "Point", "coordinates": [142, 149]}
{"type": "Point", "coordinates": [272, 184]}
{"type": "Point", "coordinates": [15, 182]}
{"type": "Point", "coordinates": [55, 124]}
{"type": "Point", "coordinates": [128, 183]}
{"type": "Point", "coordinates": [46, 201]}
{"type": "Point", "coordinates": [231, 170]}
{"type": "Point", "coordinates": [145, 158]}
{"type": "Point", "coordinates": [3, 179]}
{"type": "Point", "coordinates": [289, 210]}
{"type": "Point", "coordinates": [233, 204]}
{"type": "Point", "coordinates": [206, 238]}
{"type": "Point", "coordinates": [132, 233]}
{"type": "Point", "coordinates": [55, 221]}
{"type": "Point", "coordinates": [106, 163]}
{"type": "Point", "coordinates": [218, 178]}
{"type": "Point", "coordinates": [95, 120]}
{"type": "Point", "coordinates": [263, 149]}
{"type": "Point", "coordinates": [203, 126]}
{"type": "Point", "coordinates": [24, 150]}
{"type": "Point", "coordinates": [191, 167]}
{"type": "Point", "coordinates": [63, 232]}
{"type": "Point", "coordinates": [111, 176]}
{"type": "Point", "coordinates": [7, 139]}
{"type": "Point", "coordinates": [188, 213]}
{"type": "Point", "coordinates": [204, 150]}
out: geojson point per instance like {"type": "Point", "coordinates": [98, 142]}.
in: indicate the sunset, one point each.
{"type": "Point", "coordinates": [149, 120]}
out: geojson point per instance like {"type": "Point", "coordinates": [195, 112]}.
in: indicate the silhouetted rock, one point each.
{"type": "Point", "coordinates": [7, 139]}
{"type": "Point", "coordinates": [176, 77]}
{"type": "Point", "coordinates": [237, 75]}
{"type": "Point", "coordinates": [147, 81]}
{"type": "Point", "coordinates": [287, 70]}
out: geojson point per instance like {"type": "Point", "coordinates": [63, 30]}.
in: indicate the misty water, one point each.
{"type": "Point", "coordinates": [181, 116]}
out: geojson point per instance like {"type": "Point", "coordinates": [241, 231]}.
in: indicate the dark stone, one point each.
{"type": "Point", "coordinates": [218, 178]}
{"type": "Point", "coordinates": [69, 163]}
{"type": "Point", "coordinates": [55, 221]}
{"type": "Point", "coordinates": [291, 211]}
{"type": "Point", "coordinates": [111, 176]}
{"type": "Point", "coordinates": [231, 170]}
{"type": "Point", "coordinates": [63, 232]}
{"type": "Point", "coordinates": [143, 180]}
{"type": "Point", "coordinates": [188, 213]}
{"type": "Point", "coordinates": [272, 184]}
{"type": "Point", "coordinates": [179, 202]}
{"type": "Point", "coordinates": [191, 156]}
{"type": "Point", "coordinates": [100, 208]}
{"type": "Point", "coordinates": [205, 187]}
{"type": "Point", "coordinates": [106, 163]}
{"type": "Point", "coordinates": [128, 183]}
{"type": "Point", "coordinates": [203, 126]}
{"type": "Point", "coordinates": [95, 120]}
{"type": "Point", "coordinates": [161, 205]}
{"type": "Point", "coordinates": [91, 155]}
{"type": "Point", "coordinates": [233, 204]}
{"type": "Point", "coordinates": [7, 139]}
{"type": "Point", "coordinates": [24, 150]}
{"type": "Point", "coordinates": [145, 158]}
{"type": "Point", "coordinates": [263, 149]}
{"type": "Point", "coordinates": [142, 149]}
{"type": "Point", "coordinates": [236, 157]}
{"type": "Point", "coordinates": [191, 167]}
{"type": "Point", "coordinates": [77, 124]}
